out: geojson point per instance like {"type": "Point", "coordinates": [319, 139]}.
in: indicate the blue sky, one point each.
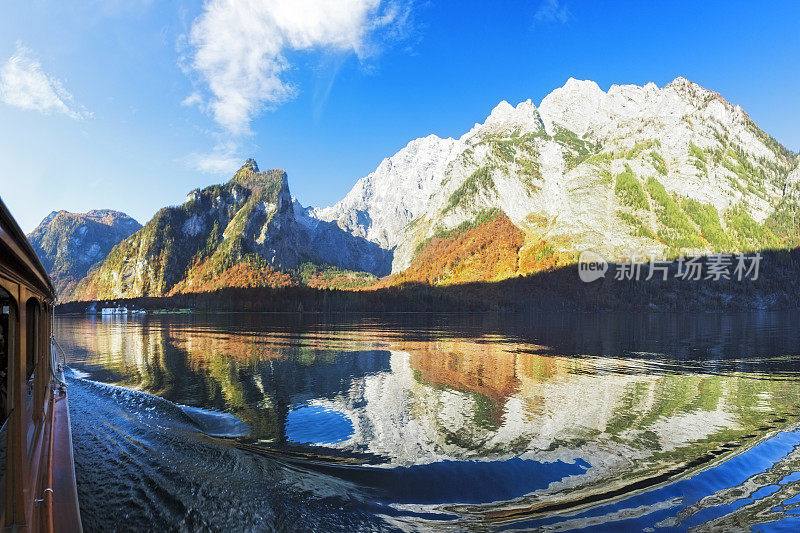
{"type": "Point", "coordinates": [129, 104]}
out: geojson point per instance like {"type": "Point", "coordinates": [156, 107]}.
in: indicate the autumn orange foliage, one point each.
{"type": "Point", "coordinates": [484, 253]}
{"type": "Point", "coordinates": [492, 251]}
{"type": "Point", "coordinates": [242, 275]}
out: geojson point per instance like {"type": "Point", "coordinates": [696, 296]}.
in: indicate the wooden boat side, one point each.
{"type": "Point", "coordinates": [38, 490]}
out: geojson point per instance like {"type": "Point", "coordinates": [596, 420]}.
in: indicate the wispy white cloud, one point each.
{"type": "Point", "coordinates": [239, 47]}
{"type": "Point", "coordinates": [193, 99]}
{"type": "Point", "coordinates": [223, 159]}
{"type": "Point", "coordinates": [24, 84]}
{"type": "Point", "coordinates": [552, 11]}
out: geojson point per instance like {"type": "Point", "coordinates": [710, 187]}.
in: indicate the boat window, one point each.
{"type": "Point", "coordinates": [32, 332]}
{"type": "Point", "coordinates": [6, 338]}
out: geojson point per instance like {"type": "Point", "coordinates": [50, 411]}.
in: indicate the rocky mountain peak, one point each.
{"type": "Point", "coordinates": [250, 164]}
{"type": "Point", "coordinates": [69, 244]}
{"type": "Point", "coordinates": [251, 178]}
{"type": "Point", "coordinates": [109, 217]}
{"type": "Point", "coordinates": [506, 118]}
{"type": "Point", "coordinates": [576, 86]}
{"type": "Point", "coordinates": [689, 87]}
{"type": "Point", "coordinates": [380, 205]}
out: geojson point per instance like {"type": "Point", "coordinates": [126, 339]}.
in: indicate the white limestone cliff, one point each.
{"type": "Point", "coordinates": [577, 140]}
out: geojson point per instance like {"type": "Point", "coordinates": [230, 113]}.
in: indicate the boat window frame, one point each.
{"type": "Point", "coordinates": [33, 318]}
{"type": "Point", "coordinates": [10, 349]}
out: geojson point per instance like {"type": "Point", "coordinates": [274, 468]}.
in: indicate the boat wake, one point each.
{"type": "Point", "coordinates": [151, 409]}
{"type": "Point", "coordinates": [144, 463]}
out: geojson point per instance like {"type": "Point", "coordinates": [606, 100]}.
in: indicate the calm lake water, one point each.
{"type": "Point", "coordinates": [649, 422]}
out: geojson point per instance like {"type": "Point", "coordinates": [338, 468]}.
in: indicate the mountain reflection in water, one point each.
{"type": "Point", "coordinates": [452, 422]}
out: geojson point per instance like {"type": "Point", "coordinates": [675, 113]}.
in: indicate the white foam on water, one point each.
{"type": "Point", "coordinates": [164, 413]}
{"type": "Point", "coordinates": [77, 374]}
{"type": "Point", "coordinates": [216, 423]}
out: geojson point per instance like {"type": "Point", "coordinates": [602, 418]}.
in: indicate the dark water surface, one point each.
{"type": "Point", "coordinates": [256, 422]}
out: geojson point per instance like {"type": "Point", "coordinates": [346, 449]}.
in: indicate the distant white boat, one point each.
{"type": "Point", "coordinates": [116, 311]}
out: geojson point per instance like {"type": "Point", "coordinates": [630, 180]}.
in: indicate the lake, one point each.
{"type": "Point", "coordinates": [653, 422]}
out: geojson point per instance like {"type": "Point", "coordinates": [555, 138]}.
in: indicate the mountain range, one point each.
{"type": "Point", "coordinates": [658, 171]}
{"type": "Point", "coordinates": [634, 167]}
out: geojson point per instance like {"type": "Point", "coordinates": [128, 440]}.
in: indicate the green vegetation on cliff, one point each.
{"type": "Point", "coordinates": [629, 190]}
{"type": "Point", "coordinates": [707, 218]}
{"type": "Point", "coordinates": [478, 181]}
{"type": "Point", "coordinates": [678, 231]}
